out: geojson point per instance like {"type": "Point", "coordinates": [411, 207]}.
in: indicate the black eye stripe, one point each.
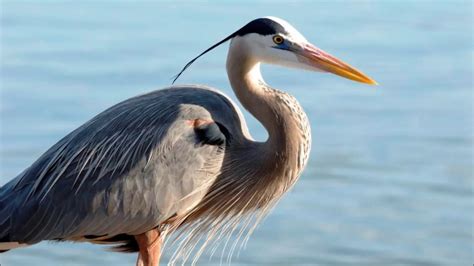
{"type": "Point", "coordinates": [262, 26]}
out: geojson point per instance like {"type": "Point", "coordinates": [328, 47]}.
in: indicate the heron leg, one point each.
{"type": "Point", "coordinates": [149, 244]}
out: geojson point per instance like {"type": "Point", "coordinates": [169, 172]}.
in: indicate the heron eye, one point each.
{"type": "Point", "coordinates": [278, 39]}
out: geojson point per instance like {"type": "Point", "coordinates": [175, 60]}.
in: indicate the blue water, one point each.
{"type": "Point", "coordinates": [390, 177]}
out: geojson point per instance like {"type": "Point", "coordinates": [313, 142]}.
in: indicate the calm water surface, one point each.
{"type": "Point", "coordinates": [390, 178]}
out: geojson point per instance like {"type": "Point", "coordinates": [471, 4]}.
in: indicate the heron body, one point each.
{"type": "Point", "coordinates": [180, 158]}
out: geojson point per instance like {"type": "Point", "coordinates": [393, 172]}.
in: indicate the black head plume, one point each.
{"type": "Point", "coordinates": [201, 54]}
{"type": "Point", "coordinates": [262, 26]}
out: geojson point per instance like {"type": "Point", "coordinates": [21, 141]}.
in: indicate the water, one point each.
{"type": "Point", "coordinates": [390, 178]}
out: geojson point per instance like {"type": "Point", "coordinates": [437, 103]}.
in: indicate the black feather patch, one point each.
{"type": "Point", "coordinates": [123, 242]}
{"type": "Point", "coordinates": [210, 134]}
{"type": "Point", "coordinates": [262, 26]}
{"type": "Point", "coordinates": [128, 246]}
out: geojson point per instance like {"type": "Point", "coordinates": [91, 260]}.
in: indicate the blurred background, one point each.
{"type": "Point", "coordinates": [390, 177]}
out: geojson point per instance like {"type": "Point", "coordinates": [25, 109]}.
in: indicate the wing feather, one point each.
{"type": "Point", "coordinates": [125, 171]}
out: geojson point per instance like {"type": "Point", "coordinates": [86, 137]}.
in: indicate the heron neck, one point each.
{"type": "Point", "coordinates": [251, 90]}
{"type": "Point", "coordinates": [287, 126]}
{"type": "Point", "coordinates": [257, 174]}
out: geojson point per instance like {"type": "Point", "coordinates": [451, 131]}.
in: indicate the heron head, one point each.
{"type": "Point", "coordinates": [274, 41]}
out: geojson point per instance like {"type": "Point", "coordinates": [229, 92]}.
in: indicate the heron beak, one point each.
{"type": "Point", "coordinates": [321, 60]}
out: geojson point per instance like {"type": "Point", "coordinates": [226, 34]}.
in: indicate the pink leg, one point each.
{"type": "Point", "coordinates": [149, 244]}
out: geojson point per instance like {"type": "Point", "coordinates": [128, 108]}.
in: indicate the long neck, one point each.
{"type": "Point", "coordinates": [255, 175]}
{"type": "Point", "coordinates": [285, 152]}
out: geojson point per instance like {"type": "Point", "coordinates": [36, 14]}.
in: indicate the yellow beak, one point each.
{"type": "Point", "coordinates": [323, 61]}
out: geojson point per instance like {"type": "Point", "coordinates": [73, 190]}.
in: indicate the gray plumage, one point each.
{"type": "Point", "coordinates": [136, 146]}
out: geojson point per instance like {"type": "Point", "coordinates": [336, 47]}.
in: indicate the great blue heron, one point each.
{"type": "Point", "coordinates": [177, 158]}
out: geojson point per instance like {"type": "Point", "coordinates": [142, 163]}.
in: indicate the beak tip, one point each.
{"type": "Point", "coordinates": [373, 82]}
{"type": "Point", "coordinates": [369, 81]}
